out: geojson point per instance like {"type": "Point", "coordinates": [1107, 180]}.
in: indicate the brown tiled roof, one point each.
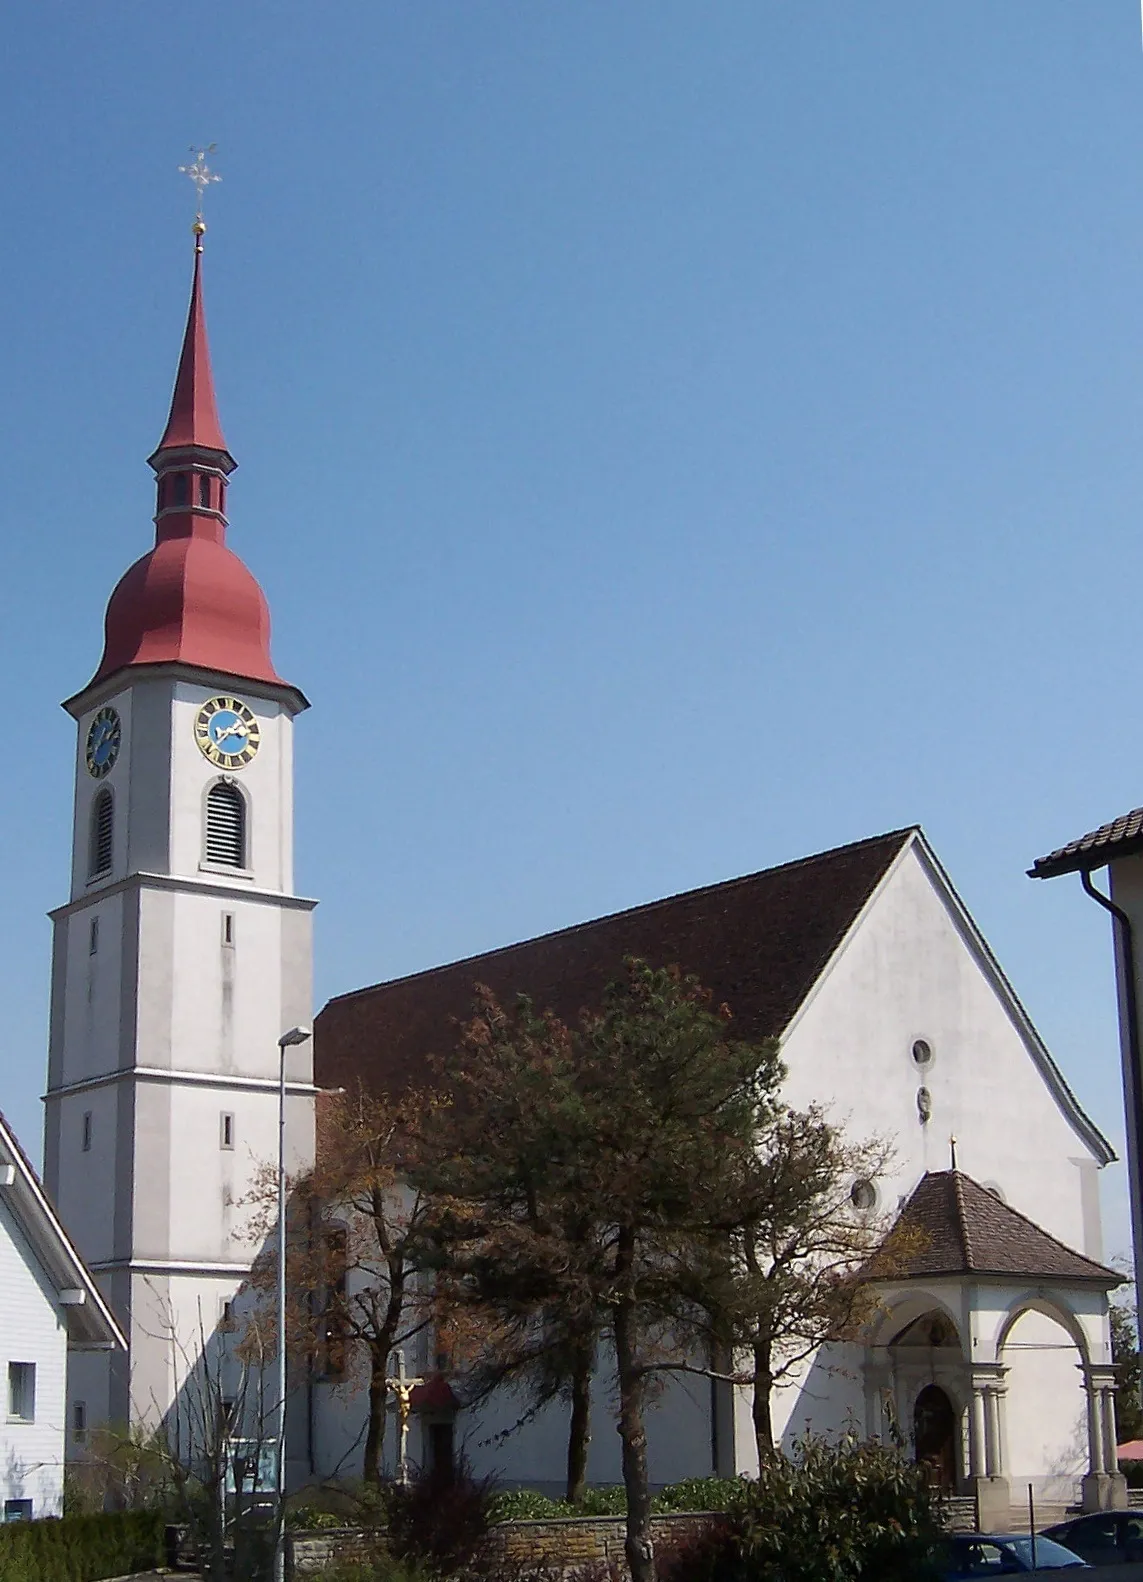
{"type": "Point", "coordinates": [759, 943]}
{"type": "Point", "coordinates": [969, 1230]}
{"type": "Point", "coordinates": [1120, 838]}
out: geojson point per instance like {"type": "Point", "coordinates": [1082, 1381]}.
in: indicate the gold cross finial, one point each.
{"type": "Point", "coordinates": [202, 176]}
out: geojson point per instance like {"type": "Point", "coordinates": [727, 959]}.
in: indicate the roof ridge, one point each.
{"type": "Point", "coordinates": [962, 1219]}
{"type": "Point", "coordinates": [630, 911]}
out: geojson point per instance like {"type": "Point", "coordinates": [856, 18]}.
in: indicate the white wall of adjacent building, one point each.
{"type": "Point", "coordinates": [32, 1332]}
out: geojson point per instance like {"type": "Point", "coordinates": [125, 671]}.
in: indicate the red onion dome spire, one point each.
{"type": "Point", "coordinates": [190, 600]}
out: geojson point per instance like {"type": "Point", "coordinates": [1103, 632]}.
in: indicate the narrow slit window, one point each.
{"type": "Point", "coordinates": [180, 489]}
{"type": "Point", "coordinates": [204, 490]}
{"type": "Point", "coordinates": [226, 826]}
{"type": "Point", "coordinates": [101, 834]}
{"type": "Point", "coordinates": [226, 1130]}
{"type": "Point", "coordinates": [228, 928]}
{"type": "Point", "coordinates": [93, 937]}
{"type": "Point", "coordinates": [87, 1131]}
{"type": "Point", "coordinates": [79, 1421]}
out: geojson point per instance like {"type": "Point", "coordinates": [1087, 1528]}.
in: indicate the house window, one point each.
{"type": "Point", "coordinates": [17, 1510]}
{"type": "Point", "coordinates": [79, 1421]}
{"type": "Point", "coordinates": [204, 490]}
{"type": "Point", "coordinates": [87, 1131]}
{"type": "Point", "coordinates": [180, 489]}
{"type": "Point", "coordinates": [226, 1315]}
{"type": "Point", "coordinates": [226, 825]}
{"type": "Point", "coordinates": [100, 834]}
{"type": "Point", "coordinates": [228, 928]}
{"type": "Point", "coordinates": [21, 1392]}
{"type": "Point", "coordinates": [93, 937]}
{"type": "Point", "coordinates": [226, 1131]}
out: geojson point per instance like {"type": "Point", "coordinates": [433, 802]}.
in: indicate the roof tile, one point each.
{"type": "Point", "coordinates": [970, 1230]}
{"type": "Point", "coordinates": [759, 943]}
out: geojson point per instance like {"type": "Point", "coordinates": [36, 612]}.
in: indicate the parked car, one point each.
{"type": "Point", "coordinates": [1004, 1554]}
{"type": "Point", "coordinates": [1108, 1538]}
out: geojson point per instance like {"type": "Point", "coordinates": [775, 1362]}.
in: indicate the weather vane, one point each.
{"type": "Point", "coordinates": [202, 176]}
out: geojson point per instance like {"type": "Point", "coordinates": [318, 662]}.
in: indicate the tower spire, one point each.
{"type": "Point", "coordinates": [193, 420]}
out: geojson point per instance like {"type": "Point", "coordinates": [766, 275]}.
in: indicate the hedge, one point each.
{"type": "Point", "coordinates": [82, 1548]}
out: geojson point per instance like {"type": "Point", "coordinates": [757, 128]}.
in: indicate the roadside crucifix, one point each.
{"type": "Point", "coordinates": [402, 1387]}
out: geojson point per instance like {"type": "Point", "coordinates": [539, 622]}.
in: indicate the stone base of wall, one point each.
{"type": "Point", "coordinates": [581, 1540]}
{"type": "Point", "coordinates": [557, 1543]}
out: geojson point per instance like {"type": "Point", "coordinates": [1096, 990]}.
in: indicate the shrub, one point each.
{"type": "Point", "coordinates": [835, 1513]}
{"type": "Point", "coordinates": [81, 1548]}
{"type": "Point", "coordinates": [690, 1494]}
{"type": "Point", "coordinates": [438, 1521]}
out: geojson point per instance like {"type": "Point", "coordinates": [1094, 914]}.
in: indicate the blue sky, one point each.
{"type": "Point", "coordinates": [673, 438]}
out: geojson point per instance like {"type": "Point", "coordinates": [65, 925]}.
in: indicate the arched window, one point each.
{"type": "Point", "coordinates": [226, 825]}
{"type": "Point", "coordinates": [100, 834]}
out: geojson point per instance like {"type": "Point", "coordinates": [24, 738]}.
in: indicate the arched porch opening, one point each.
{"type": "Point", "coordinates": [1046, 1355]}
{"type": "Point", "coordinates": [928, 1369]}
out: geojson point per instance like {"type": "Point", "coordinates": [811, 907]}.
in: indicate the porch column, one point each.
{"type": "Point", "coordinates": [993, 1455]}
{"type": "Point", "coordinates": [1094, 1431]}
{"type": "Point", "coordinates": [976, 1433]}
{"type": "Point", "coordinates": [1110, 1449]}
{"type": "Point", "coordinates": [1104, 1487]}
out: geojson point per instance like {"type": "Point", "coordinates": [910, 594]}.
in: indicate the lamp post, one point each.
{"type": "Point", "coordinates": [296, 1035]}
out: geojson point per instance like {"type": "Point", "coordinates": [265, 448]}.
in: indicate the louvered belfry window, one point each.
{"type": "Point", "coordinates": [226, 826]}
{"type": "Point", "coordinates": [102, 829]}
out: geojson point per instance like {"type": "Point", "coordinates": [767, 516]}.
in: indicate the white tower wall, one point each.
{"type": "Point", "coordinates": [168, 1020]}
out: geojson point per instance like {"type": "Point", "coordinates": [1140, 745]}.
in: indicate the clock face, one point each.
{"type": "Point", "coordinates": [104, 735]}
{"type": "Point", "coordinates": [226, 732]}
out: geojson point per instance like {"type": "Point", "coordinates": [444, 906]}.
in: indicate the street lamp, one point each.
{"type": "Point", "coordinates": [296, 1035]}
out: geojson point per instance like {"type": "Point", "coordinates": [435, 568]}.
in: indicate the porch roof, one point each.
{"type": "Point", "coordinates": [966, 1229]}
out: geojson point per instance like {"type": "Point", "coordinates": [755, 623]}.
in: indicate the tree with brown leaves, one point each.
{"type": "Point", "coordinates": [354, 1224]}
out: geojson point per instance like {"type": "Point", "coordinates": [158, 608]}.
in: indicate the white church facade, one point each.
{"type": "Point", "coordinates": [993, 1355]}
{"type": "Point", "coordinates": [182, 954]}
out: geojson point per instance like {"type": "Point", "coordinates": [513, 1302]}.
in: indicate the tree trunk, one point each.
{"type": "Point", "coordinates": [579, 1429]}
{"type": "Point", "coordinates": [639, 1548]}
{"type": "Point", "coordinates": [375, 1431]}
{"type": "Point", "coordinates": [763, 1386]}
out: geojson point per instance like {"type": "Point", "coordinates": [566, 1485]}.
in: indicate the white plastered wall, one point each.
{"type": "Point", "coordinates": [31, 1330]}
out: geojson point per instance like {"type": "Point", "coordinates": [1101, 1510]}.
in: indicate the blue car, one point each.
{"type": "Point", "coordinates": [1004, 1554]}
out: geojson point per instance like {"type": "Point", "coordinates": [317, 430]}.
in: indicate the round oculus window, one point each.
{"type": "Point", "coordinates": [922, 1053]}
{"type": "Point", "coordinates": [863, 1196]}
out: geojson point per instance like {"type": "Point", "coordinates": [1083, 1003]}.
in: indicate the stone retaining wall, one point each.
{"type": "Point", "coordinates": [552, 1541]}
{"type": "Point", "coordinates": [577, 1540]}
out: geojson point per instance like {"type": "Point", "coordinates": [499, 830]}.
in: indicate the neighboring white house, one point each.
{"type": "Point", "coordinates": [49, 1308]}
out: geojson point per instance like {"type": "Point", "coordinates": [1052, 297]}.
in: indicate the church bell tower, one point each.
{"type": "Point", "coordinates": [182, 953]}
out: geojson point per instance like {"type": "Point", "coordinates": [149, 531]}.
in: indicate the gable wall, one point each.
{"type": "Point", "coordinates": [907, 973]}
{"type": "Point", "coordinates": [31, 1454]}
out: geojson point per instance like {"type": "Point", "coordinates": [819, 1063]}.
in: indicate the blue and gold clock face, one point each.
{"type": "Point", "coordinates": [226, 732]}
{"type": "Point", "coordinates": [104, 737]}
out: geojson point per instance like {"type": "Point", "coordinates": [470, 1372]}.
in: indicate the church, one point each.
{"type": "Point", "coordinates": [182, 958]}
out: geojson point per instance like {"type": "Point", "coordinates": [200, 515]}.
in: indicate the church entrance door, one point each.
{"type": "Point", "coordinates": [934, 1436]}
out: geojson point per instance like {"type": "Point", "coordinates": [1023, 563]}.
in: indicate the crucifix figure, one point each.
{"type": "Point", "coordinates": [402, 1387]}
